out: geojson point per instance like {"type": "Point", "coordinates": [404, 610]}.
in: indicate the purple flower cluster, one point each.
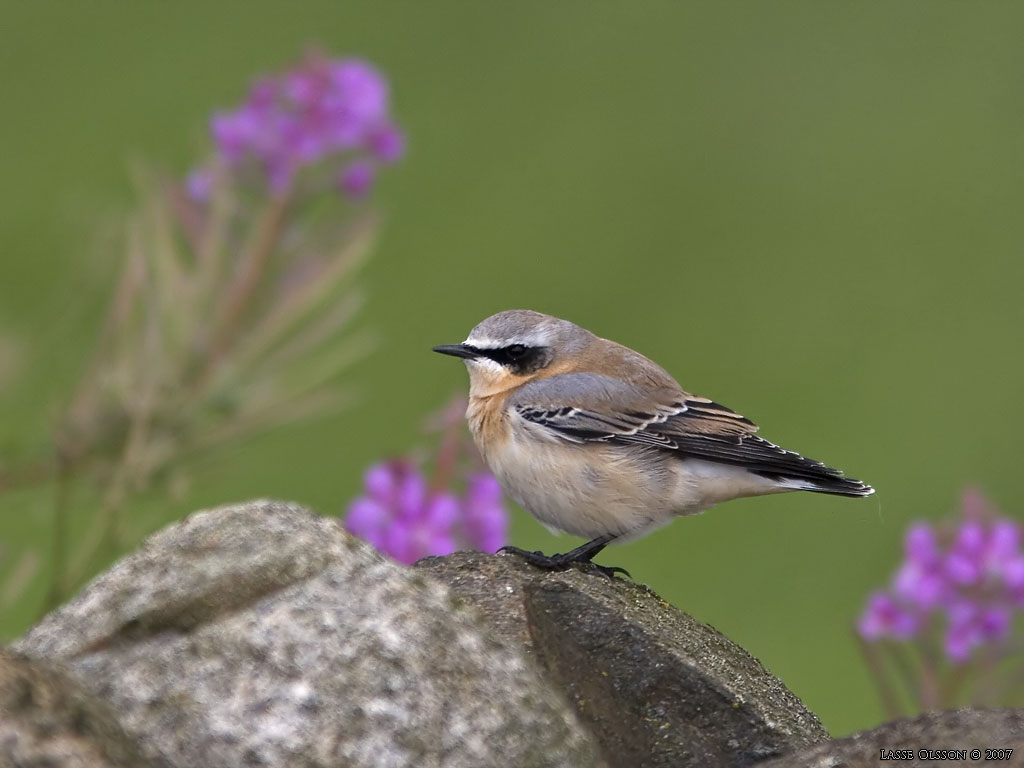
{"type": "Point", "coordinates": [970, 581]}
{"type": "Point", "coordinates": [403, 518]}
{"type": "Point", "coordinates": [325, 109]}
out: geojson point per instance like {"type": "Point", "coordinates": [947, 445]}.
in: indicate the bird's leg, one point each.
{"type": "Point", "coordinates": [582, 554]}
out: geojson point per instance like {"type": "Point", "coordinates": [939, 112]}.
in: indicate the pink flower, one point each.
{"type": "Point", "coordinates": [972, 578]}
{"type": "Point", "coordinates": [318, 112]}
{"type": "Point", "coordinates": [403, 518]}
{"type": "Point", "coordinates": [884, 617]}
{"type": "Point", "coordinates": [485, 522]}
{"type": "Point", "coordinates": [356, 179]}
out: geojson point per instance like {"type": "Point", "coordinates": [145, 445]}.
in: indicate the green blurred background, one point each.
{"type": "Point", "coordinates": [809, 211]}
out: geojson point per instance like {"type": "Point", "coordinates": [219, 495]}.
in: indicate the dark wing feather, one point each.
{"type": "Point", "coordinates": [582, 426]}
{"type": "Point", "coordinates": [614, 411]}
{"type": "Point", "coordinates": [683, 424]}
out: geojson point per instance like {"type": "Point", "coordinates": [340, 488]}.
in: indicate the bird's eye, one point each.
{"type": "Point", "coordinates": [515, 351]}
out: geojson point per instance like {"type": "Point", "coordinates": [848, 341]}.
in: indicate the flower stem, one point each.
{"type": "Point", "coordinates": [953, 685]}
{"type": "Point", "coordinates": [59, 551]}
{"type": "Point", "coordinates": [872, 657]}
{"type": "Point", "coordinates": [249, 271]}
{"type": "Point", "coordinates": [904, 666]}
{"type": "Point", "coordinates": [929, 687]}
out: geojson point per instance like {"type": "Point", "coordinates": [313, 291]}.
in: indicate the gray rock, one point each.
{"type": "Point", "coordinates": [48, 720]}
{"type": "Point", "coordinates": [963, 729]}
{"type": "Point", "coordinates": [655, 686]}
{"type": "Point", "coordinates": [210, 564]}
{"type": "Point", "coordinates": [262, 634]}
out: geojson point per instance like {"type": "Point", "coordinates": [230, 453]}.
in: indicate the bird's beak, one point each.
{"type": "Point", "coordinates": [458, 350]}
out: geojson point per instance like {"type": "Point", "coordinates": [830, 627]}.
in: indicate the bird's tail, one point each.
{"type": "Point", "coordinates": [787, 469]}
{"type": "Point", "coordinates": [800, 473]}
{"type": "Point", "coordinates": [838, 486]}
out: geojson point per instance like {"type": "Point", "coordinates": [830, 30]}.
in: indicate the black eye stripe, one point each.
{"type": "Point", "coordinates": [506, 355]}
{"type": "Point", "coordinates": [518, 357]}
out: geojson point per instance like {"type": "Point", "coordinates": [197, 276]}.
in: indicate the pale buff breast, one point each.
{"type": "Point", "coordinates": [587, 490]}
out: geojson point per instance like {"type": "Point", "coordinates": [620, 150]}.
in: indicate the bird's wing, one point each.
{"type": "Point", "coordinates": [587, 407]}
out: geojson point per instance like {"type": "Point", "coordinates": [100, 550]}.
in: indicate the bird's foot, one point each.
{"type": "Point", "coordinates": [561, 562]}
{"type": "Point", "coordinates": [538, 559]}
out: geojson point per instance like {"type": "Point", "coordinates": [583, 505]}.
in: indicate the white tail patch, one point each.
{"type": "Point", "coordinates": [795, 484]}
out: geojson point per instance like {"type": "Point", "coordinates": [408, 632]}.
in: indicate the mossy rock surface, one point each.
{"type": "Point", "coordinates": [646, 678]}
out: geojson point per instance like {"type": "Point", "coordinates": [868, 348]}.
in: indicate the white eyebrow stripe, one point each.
{"type": "Point", "coordinates": [483, 342]}
{"type": "Point", "coordinates": [539, 339]}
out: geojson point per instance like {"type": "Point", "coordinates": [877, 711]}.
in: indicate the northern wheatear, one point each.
{"type": "Point", "coordinates": [594, 439]}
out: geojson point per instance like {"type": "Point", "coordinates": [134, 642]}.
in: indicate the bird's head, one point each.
{"type": "Point", "coordinates": [512, 347]}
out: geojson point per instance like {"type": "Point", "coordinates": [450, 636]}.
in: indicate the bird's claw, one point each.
{"type": "Point", "coordinates": [609, 571]}
{"type": "Point", "coordinates": [561, 562]}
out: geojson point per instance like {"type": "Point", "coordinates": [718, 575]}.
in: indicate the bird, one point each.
{"type": "Point", "coordinates": [595, 440]}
